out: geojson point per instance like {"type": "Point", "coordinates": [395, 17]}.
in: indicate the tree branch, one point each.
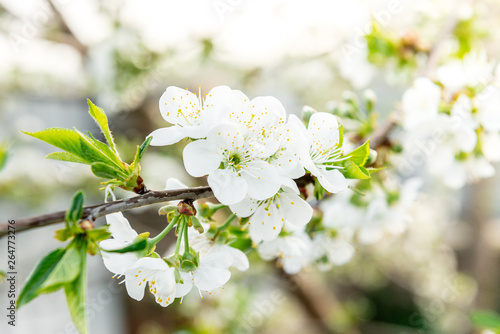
{"type": "Point", "coordinates": [96, 211]}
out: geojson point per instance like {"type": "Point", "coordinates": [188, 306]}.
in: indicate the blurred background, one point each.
{"type": "Point", "coordinates": [123, 54]}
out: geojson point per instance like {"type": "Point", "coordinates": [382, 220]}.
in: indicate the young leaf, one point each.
{"type": "Point", "coordinates": [38, 276]}
{"type": "Point", "coordinates": [102, 121]}
{"type": "Point", "coordinates": [138, 245]}
{"type": "Point", "coordinates": [65, 271]}
{"type": "Point", "coordinates": [76, 293]}
{"type": "Point", "coordinates": [74, 212]}
{"type": "Point", "coordinates": [353, 171]}
{"type": "Point", "coordinates": [141, 149]}
{"type": "Point", "coordinates": [66, 139]}
{"type": "Point", "coordinates": [66, 156]}
{"type": "Point", "coordinates": [106, 171]}
{"type": "Point", "coordinates": [360, 155]}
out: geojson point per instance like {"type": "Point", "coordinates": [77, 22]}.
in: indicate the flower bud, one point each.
{"type": "Point", "coordinates": [86, 224]}
{"type": "Point", "coordinates": [186, 208]}
{"type": "Point", "coordinates": [372, 157]}
{"type": "Point", "coordinates": [307, 112]}
{"type": "Point", "coordinates": [164, 210]}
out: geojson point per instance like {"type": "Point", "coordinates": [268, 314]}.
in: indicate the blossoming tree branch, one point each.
{"type": "Point", "coordinates": [260, 165]}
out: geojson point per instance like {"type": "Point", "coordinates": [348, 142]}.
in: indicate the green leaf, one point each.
{"type": "Point", "coordinates": [65, 271]}
{"type": "Point", "coordinates": [372, 170]}
{"type": "Point", "coordinates": [360, 155]}
{"type": "Point", "coordinates": [66, 139]}
{"type": "Point", "coordinates": [74, 212]}
{"type": "Point", "coordinates": [37, 277]}
{"type": "Point", "coordinates": [66, 156]}
{"type": "Point", "coordinates": [486, 319]}
{"type": "Point", "coordinates": [99, 233]}
{"type": "Point", "coordinates": [353, 171]}
{"type": "Point", "coordinates": [76, 293]}
{"type": "Point", "coordinates": [138, 245]}
{"type": "Point", "coordinates": [106, 171]}
{"type": "Point", "coordinates": [141, 149]}
{"type": "Point", "coordinates": [96, 151]}
{"type": "Point", "coordinates": [102, 121]}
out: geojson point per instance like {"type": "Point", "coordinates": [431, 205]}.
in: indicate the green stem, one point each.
{"type": "Point", "coordinates": [179, 237]}
{"type": "Point", "coordinates": [163, 233]}
{"type": "Point", "coordinates": [186, 238]}
{"type": "Point", "coordinates": [227, 222]}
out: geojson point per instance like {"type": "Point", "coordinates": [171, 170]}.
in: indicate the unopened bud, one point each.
{"type": "Point", "coordinates": [166, 209]}
{"type": "Point", "coordinates": [86, 224]}
{"type": "Point", "coordinates": [370, 100]}
{"type": "Point", "coordinates": [307, 112]}
{"type": "Point", "coordinates": [372, 157]}
{"type": "Point", "coordinates": [186, 207]}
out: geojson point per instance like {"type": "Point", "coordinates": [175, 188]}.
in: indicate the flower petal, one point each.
{"type": "Point", "coordinates": [332, 180]}
{"type": "Point", "coordinates": [167, 136]}
{"type": "Point", "coordinates": [176, 106]}
{"type": "Point", "coordinates": [200, 158]}
{"type": "Point", "coordinates": [266, 224]}
{"type": "Point", "coordinates": [120, 228]}
{"type": "Point", "coordinates": [323, 131]}
{"type": "Point", "coordinates": [227, 186]}
{"type": "Point", "coordinates": [262, 178]}
{"type": "Point", "coordinates": [244, 208]}
{"type": "Point", "coordinates": [295, 210]}
{"type": "Point", "coordinates": [183, 289]}
{"type": "Point", "coordinates": [239, 259]}
{"type": "Point", "coordinates": [209, 279]}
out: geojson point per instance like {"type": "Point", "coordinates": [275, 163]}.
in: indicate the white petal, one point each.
{"type": "Point", "coordinates": [167, 136]}
{"type": "Point", "coordinates": [177, 104]}
{"type": "Point", "coordinates": [227, 186]}
{"type": "Point", "coordinates": [244, 208]}
{"type": "Point", "coordinates": [118, 263]}
{"type": "Point", "coordinates": [239, 259]}
{"type": "Point", "coordinates": [323, 131]}
{"type": "Point", "coordinates": [262, 178]}
{"type": "Point", "coordinates": [200, 158]}
{"type": "Point", "coordinates": [332, 180]}
{"type": "Point", "coordinates": [295, 209]}
{"type": "Point", "coordinates": [183, 289]}
{"type": "Point", "coordinates": [266, 225]}
{"type": "Point", "coordinates": [226, 136]}
{"type": "Point", "coordinates": [120, 228]}
{"type": "Point", "coordinates": [209, 279]}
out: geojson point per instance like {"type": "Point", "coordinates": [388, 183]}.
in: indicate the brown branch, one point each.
{"type": "Point", "coordinates": [96, 211]}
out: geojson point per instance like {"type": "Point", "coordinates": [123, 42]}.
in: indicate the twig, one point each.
{"type": "Point", "coordinates": [96, 211]}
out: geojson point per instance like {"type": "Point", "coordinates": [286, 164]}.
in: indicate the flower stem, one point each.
{"type": "Point", "coordinates": [179, 237]}
{"type": "Point", "coordinates": [227, 222]}
{"type": "Point", "coordinates": [186, 238]}
{"type": "Point", "coordinates": [163, 233]}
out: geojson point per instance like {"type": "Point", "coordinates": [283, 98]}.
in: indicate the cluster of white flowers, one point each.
{"type": "Point", "coordinates": [251, 153]}
{"type": "Point", "coordinates": [455, 121]}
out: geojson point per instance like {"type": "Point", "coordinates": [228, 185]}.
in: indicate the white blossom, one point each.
{"type": "Point", "coordinates": [268, 216]}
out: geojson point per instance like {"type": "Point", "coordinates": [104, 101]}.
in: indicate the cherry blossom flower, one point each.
{"type": "Point", "coordinates": [123, 235]}
{"type": "Point", "coordinates": [293, 250]}
{"type": "Point", "coordinates": [268, 216]}
{"type": "Point", "coordinates": [212, 273]}
{"type": "Point", "coordinates": [191, 116]}
{"type": "Point", "coordinates": [159, 276]}
{"type": "Point", "coordinates": [234, 171]}
{"type": "Point", "coordinates": [321, 152]}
